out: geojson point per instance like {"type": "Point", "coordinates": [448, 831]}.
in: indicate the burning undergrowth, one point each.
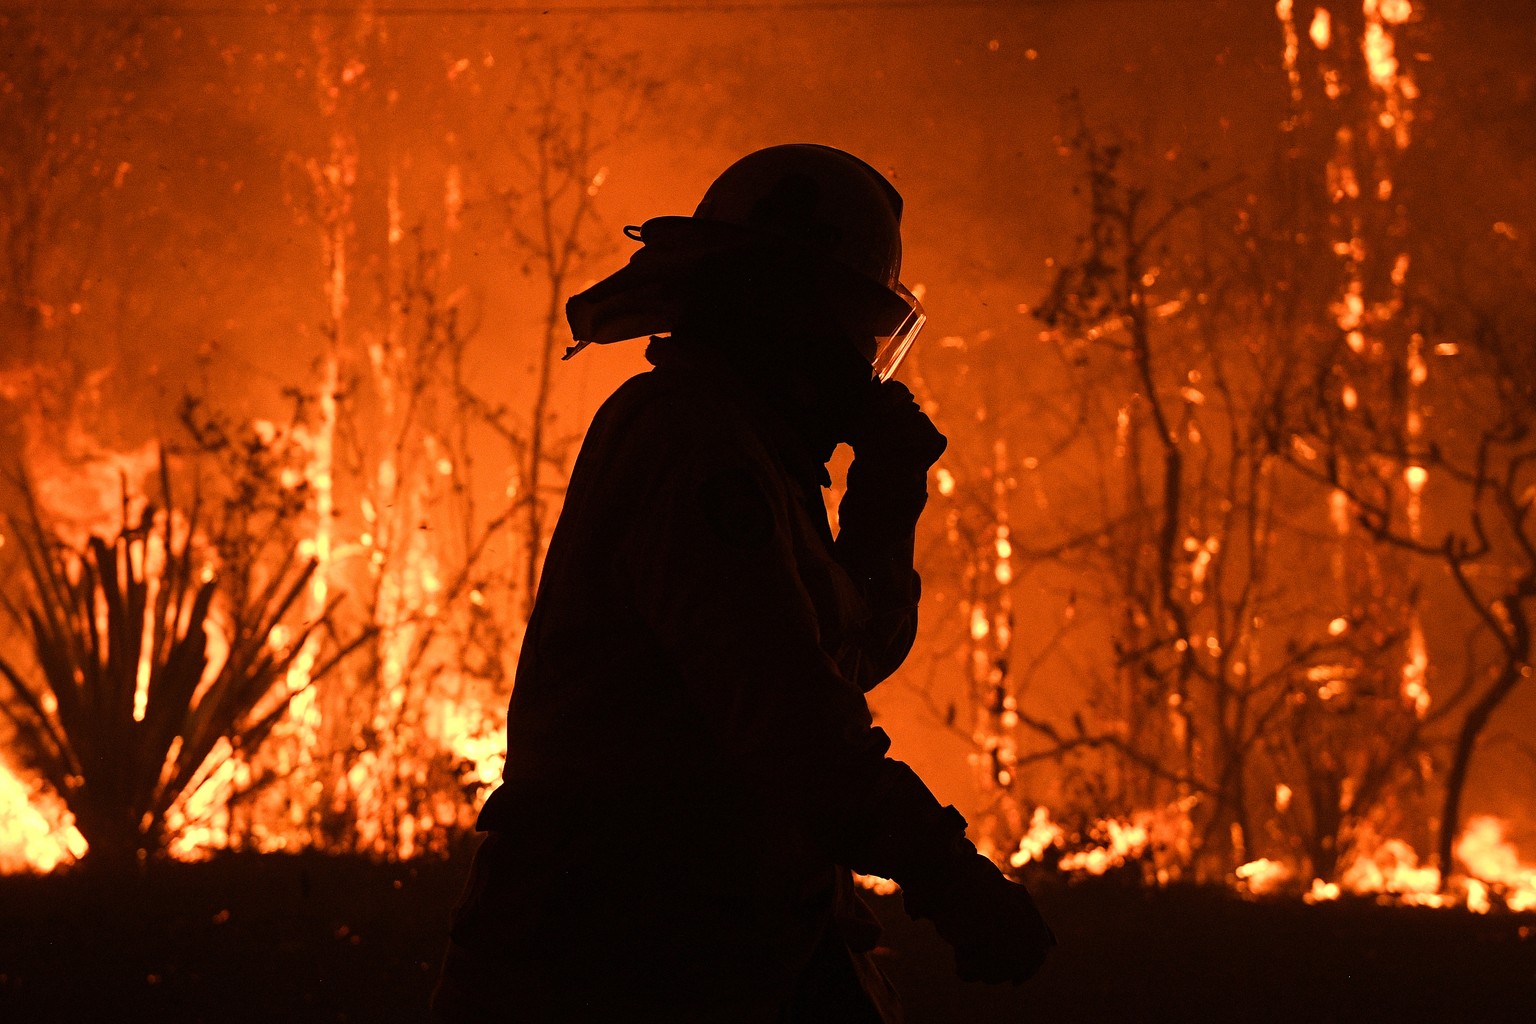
{"type": "Point", "coordinates": [1254, 479]}
{"type": "Point", "coordinates": [1152, 849]}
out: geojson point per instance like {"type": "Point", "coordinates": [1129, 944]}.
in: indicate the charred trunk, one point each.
{"type": "Point", "coordinates": [1461, 761]}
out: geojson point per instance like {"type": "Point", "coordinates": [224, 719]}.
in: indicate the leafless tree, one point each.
{"type": "Point", "coordinates": [576, 100]}
{"type": "Point", "coordinates": [1204, 549]}
{"type": "Point", "coordinates": [1474, 465]}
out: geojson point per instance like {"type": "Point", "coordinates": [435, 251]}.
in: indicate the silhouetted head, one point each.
{"type": "Point", "coordinates": [791, 264]}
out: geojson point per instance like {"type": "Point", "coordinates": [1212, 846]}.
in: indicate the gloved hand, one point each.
{"type": "Point", "coordinates": [992, 923]}
{"type": "Point", "coordinates": [891, 430]}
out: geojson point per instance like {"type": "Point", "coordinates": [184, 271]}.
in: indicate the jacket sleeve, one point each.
{"type": "Point", "coordinates": [707, 555]}
{"type": "Point", "coordinates": [877, 524]}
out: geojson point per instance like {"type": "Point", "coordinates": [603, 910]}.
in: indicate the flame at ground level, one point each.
{"type": "Point", "coordinates": [36, 833]}
{"type": "Point", "coordinates": [1491, 870]}
{"type": "Point", "coordinates": [1492, 861]}
{"type": "Point", "coordinates": [1390, 869]}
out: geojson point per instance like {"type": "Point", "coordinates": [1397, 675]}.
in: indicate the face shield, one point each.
{"type": "Point", "coordinates": [892, 348]}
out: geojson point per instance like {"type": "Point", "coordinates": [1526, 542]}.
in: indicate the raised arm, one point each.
{"type": "Point", "coordinates": [894, 445]}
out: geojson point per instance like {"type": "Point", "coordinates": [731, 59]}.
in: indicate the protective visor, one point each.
{"type": "Point", "coordinates": [892, 348]}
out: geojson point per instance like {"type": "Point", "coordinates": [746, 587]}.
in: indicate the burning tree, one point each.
{"type": "Point", "coordinates": [399, 749]}
{"type": "Point", "coordinates": [1475, 453]}
{"type": "Point", "coordinates": [1007, 427]}
{"type": "Point", "coordinates": [1491, 557]}
{"type": "Point", "coordinates": [1419, 422]}
{"type": "Point", "coordinates": [1231, 682]}
{"type": "Point", "coordinates": [387, 758]}
{"type": "Point", "coordinates": [1270, 674]}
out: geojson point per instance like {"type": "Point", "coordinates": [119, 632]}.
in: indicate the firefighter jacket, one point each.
{"type": "Point", "coordinates": [690, 754]}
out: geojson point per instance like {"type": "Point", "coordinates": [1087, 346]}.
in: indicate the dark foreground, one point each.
{"type": "Point", "coordinates": [312, 938]}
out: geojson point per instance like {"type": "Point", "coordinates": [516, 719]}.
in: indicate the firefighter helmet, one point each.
{"type": "Point", "coordinates": [823, 211]}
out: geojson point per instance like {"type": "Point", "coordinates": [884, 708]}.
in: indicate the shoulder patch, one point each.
{"type": "Point", "coordinates": [736, 510]}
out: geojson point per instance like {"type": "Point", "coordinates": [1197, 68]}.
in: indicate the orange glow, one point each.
{"type": "Point", "coordinates": [1263, 876]}
{"type": "Point", "coordinates": [1391, 868]}
{"type": "Point", "coordinates": [1042, 835]}
{"type": "Point", "coordinates": [36, 832]}
{"type": "Point", "coordinates": [1321, 30]}
{"type": "Point", "coordinates": [875, 884]}
{"type": "Point", "coordinates": [1493, 864]}
{"type": "Point", "coordinates": [1123, 652]}
{"type": "Point", "coordinates": [1122, 841]}
{"type": "Point", "coordinates": [1321, 891]}
{"type": "Point", "coordinates": [1286, 11]}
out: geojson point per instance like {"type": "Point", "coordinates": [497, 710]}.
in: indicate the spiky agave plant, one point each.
{"type": "Point", "coordinates": [120, 710]}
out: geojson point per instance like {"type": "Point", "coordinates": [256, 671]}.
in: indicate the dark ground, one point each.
{"type": "Point", "coordinates": [313, 938]}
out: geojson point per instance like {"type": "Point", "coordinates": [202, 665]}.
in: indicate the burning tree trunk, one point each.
{"type": "Point", "coordinates": [391, 434]}
{"type": "Point", "coordinates": [1492, 558]}
{"type": "Point", "coordinates": [1381, 430]}
{"type": "Point", "coordinates": [1514, 633]}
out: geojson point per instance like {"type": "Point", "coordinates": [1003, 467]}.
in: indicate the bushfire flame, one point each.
{"type": "Point", "coordinates": [36, 832]}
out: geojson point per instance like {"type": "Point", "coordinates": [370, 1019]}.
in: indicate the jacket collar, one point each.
{"type": "Point", "coordinates": [787, 439]}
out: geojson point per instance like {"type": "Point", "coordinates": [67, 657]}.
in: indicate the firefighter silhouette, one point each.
{"type": "Point", "coordinates": [692, 769]}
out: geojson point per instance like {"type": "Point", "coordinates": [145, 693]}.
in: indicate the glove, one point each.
{"type": "Point", "coordinates": [894, 442]}
{"type": "Point", "coordinates": [997, 932]}
{"type": "Point", "coordinates": [891, 431]}
{"type": "Point", "coordinates": [897, 829]}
